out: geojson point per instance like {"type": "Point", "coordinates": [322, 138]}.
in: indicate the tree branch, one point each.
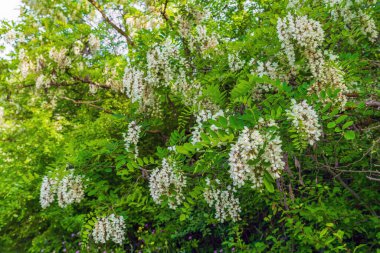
{"type": "Point", "coordinates": [353, 193]}
{"type": "Point", "coordinates": [89, 103]}
{"type": "Point", "coordinates": [109, 21]}
{"type": "Point", "coordinates": [163, 12]}
{"type": "Point", "coordinates": [373, 103]}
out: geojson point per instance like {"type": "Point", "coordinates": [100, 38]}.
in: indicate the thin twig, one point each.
{"type": "Point", "coordinates": [348, 188]}
{"type": "Point", "coordinates": [374, 179]}
{"type": "Point", "coordinates": [109, 21]}
{"type": "Point", "coordinates": [89, 103]}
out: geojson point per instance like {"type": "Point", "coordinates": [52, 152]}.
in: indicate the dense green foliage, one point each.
{"type": "Point", "coordinates": [81, 71]}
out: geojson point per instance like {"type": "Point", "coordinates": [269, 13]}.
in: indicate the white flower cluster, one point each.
{"type": "Point", "coordinates": [169, 182]}
{"type": "Point", "coordinates": [132, 137]}
{"type": "Point", "coordinates": [94, 43]}
{"type": "Point", "coordinates": [305, 120]}
{"type": "Point", "coordinates": [199, 39]}
{"type": "Point", "coordinates": [330, 78]}
{"type": "Point", "coordinates": [147, 21]}
{"type": "Point", "coordinates": [166, 68]}
{"type": "Point", "coordinates": [109, 228]}
{"type": "Point", "coordinates": [304, 32]}
{"type": "Point", "coordinates": [1, 114]}
{"type": "Point", "coordinates": [69, 190]}
{"type": "Point", "coordinates": [224, 201]}
{"type": "Point", "coordinates": [160, 70]}
{"type": "Point", "coordinates": [40, 63]}
{"type": "Point", "coordinates": [26, 66]}
{"type": "Point", "coordinates": [269, 69]}
{"type": "Point", "coordinates": [42, 82]}
{"type": "Point", "coordinates": [203, 116]}
{"type": "Point", "coordinates": [59, 57]}
{"type": "Point", "coordinates": [133, 83]}
{"type": "Point", "coordinates": [112, 78]}
{"type": "Point", "coordinates": [343, 9]}
{"type": "Point", "coordinates": [78, 47]}
{"type": "Point", "coordinates": [295, 4]}
{"type": "Point", "coordinates": [245, 162]}
{"type": "Point", "coordinates": [137, 90]}
{"type": "Point", "coordinates": [308, 35]}
{"type": "Point", "coordinates": [48, 189]}
{"type": "Point", "coordinates": [202, 41]}
{"type": "Point", "coordinates": [368, 26]}
{"type": "Point", "coordinates": [235, 62]}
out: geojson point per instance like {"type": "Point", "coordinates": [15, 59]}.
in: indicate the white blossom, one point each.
{"type": "Point", "coordinates": [59, 57]}
{"type": "Point", "coordinates": [203, 116]}
{"type": "Point", "coordinates": [133, 83]}
{"type": "Point", "coordinates": [267, 68]}
{"type": "Point", "coordinates": [109, 228]}
{"type": "Point", "coordinates": [42, 82]}
{"type": "Point", "coordinates": [112, 79]}
{"type": "Point", "coordinates": [244, 158]}
{"type": "Point", "coordinates": [94, 43]}
{"type": "Point", "coordinates": [235, 62]}
{"type": "Point", "coordinates": [132, 137]}
{"type": "Point", "coordinates": [368, 26]}
{"type": "Point", "coordinates": [1, 115]}
{"type": "Point", "coordinates": [224, 201]}
{"type": "Point", "coordinates": [70, 190]}
{"type": "Point", "coordinates": [305, 121]}
{"type": "Point", "coordinates": [305, 33]}
{"type": "Point", "coordinates": [26, 66]}
{"type": "Point", "coordinates": [331, 77]}
{"type": "Point", "coordinates": [48, 189]}
{"type": "Point", "coordinates": [169, 182]}
{"type": "Point", "coordinates": [246, 149]}
{"type": "Point", "coordinates": [160, 71]}
{"type": "Point", "coordinates": [78, 47]}
{"type": "Point", "coordinates": [99, 230]}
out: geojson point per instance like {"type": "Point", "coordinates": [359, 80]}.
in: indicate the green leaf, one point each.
{"type": "Point", "coordinates": [341, 119]}
{"type": "Point", "coordinates": [349, 135]}
{"type": "Point", "coordinates": [331, 125]}
{"type": "Point", "coordinates": [347, 124]}
{"type": "Point", "coordinates": [268, 185]}
{"type": "Point", "coordinates": [140, 161]}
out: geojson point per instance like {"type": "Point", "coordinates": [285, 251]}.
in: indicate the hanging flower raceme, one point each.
{"type": "Point", "coordinates": [169, 182]}
{"type": "Point", "coordinates": [133, 83]}
{"type": "Point", "coordinates": [247, 148]}
{"type": "Point", "coordinates": [109, 228]}
{"type": "Point", "coordinates": [368, 26]}
{"type": "Point", "coordinates": [235, 62]}
{"type": "Point", "coordinates": [160, 71]}
{"type": "Point", "coordinates": [256, 151]}
{"type": "Point", "coordinates": [48, 190]}
{"type": "Point", "coordinates": [261, 69]}
{"type": "Point", "coordinates": [26, 66]}
{"type": "Point", "coordinates": [224, 201]}
{"type": "Point", "coordinates": [202, 117]}
{"type": "Point", "coordinates": [59, 57]}
{"type": "Point", "coordinates": [94, 43]}
{"type": "Point", "coordinates": [352, 17]}
{"type": "Point", "coordinates": [305, 121]}
{"type": "Point", "coordinates": [132, 137]}
{"type": "Point", "coordinates": [305, 33]}
{"type": "Point", "coordinates": [330, 78]}
{"type": "Point", "coordinates": [70, 190]}
{"type": "Point", "coordinates": [42, 82]}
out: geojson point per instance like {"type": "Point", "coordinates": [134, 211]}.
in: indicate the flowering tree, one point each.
{"type": "Point", "coordinates": [149, 126]}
